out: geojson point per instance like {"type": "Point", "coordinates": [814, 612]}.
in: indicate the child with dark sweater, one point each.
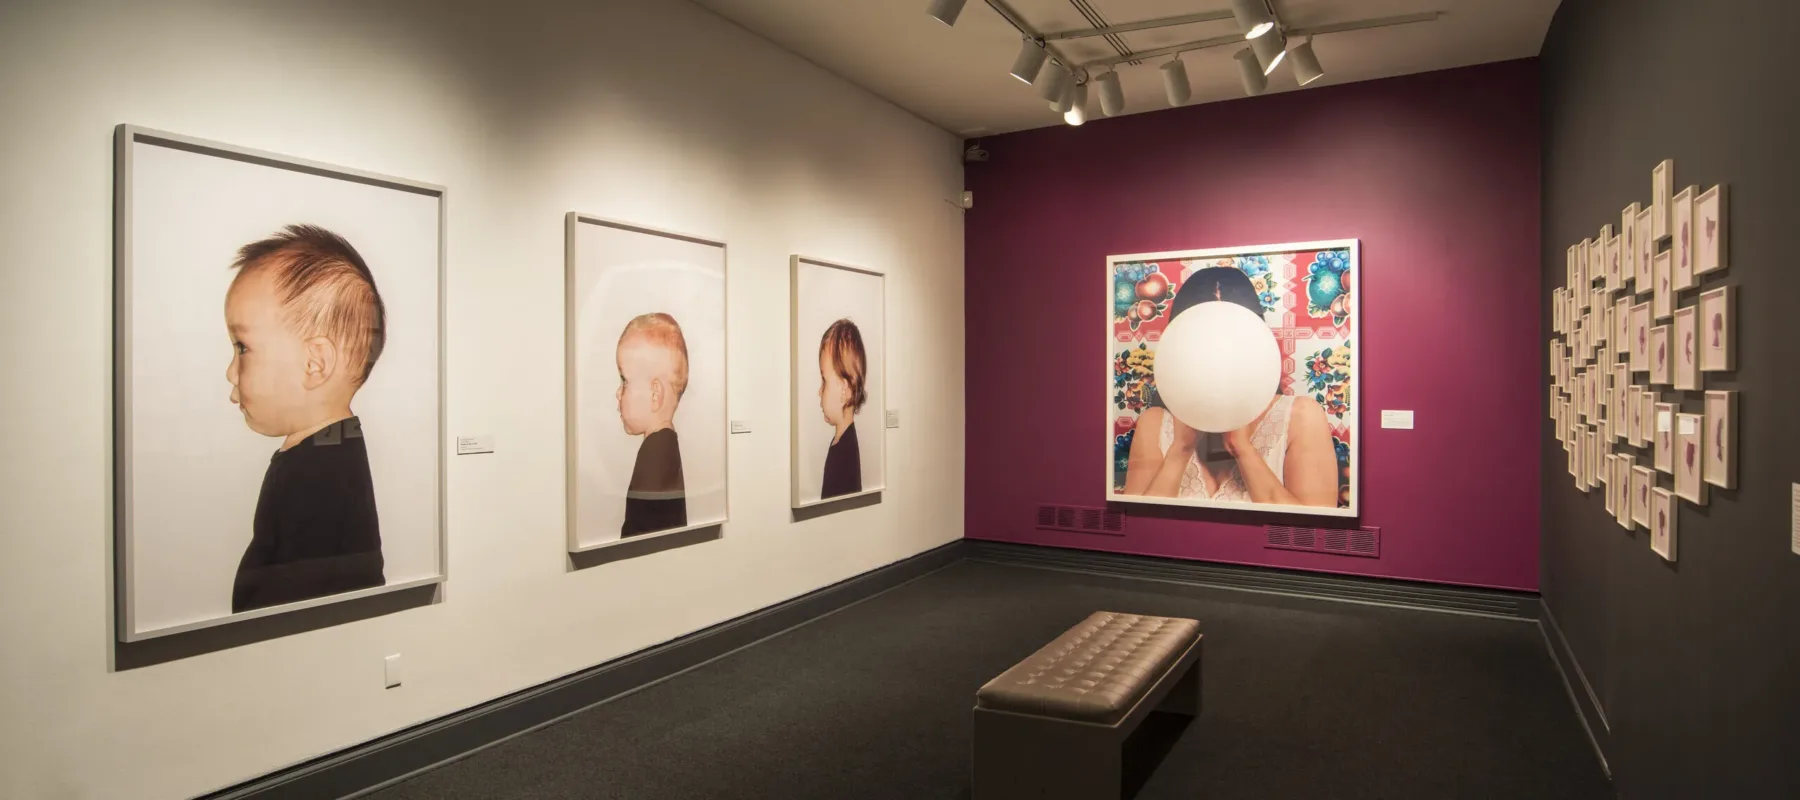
{"type": "Point", "coordinates": [653, 374]}
{"type": "Point", "coordinates": [306, 327]}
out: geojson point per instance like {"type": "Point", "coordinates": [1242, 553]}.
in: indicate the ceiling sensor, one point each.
{"type": "Point", "coordinates": [974, 154]}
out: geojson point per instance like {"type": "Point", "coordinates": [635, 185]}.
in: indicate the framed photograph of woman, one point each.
{"type": "Point", "coordinates": [287, 452]}
{"type": "Point", "coordinates": [646, 352]}
{"type": "Point", "coordinates": [1232, 378]}
{"type": "Point", "coordinates": [839, 374]}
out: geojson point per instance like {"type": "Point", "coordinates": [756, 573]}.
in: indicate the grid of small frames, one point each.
{"type": "Point", "coordinates": [1641, 325]}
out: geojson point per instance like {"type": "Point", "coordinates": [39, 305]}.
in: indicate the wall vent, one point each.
{"type": "Point", "coordinates": [1077, 519]}
{"type": "Point", "coordinates": [1364, 541]}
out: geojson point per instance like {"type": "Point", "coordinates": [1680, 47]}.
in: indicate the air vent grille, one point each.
{"type": "Point", "coordinates": [1364, 542]}
{"type": "Point", "coordinates": [1079, 519]}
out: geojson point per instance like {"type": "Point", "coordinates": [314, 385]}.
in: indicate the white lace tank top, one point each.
{"type": "Point", "coordinates": [1270, 439]}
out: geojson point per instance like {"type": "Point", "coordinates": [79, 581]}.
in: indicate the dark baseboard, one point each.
{"type": "Point", "coordinates": [1581, 693]}
{"type": "Point", "coordinates": [1382, 591]}
{"type": "Point", "coordinates": [396, 756]}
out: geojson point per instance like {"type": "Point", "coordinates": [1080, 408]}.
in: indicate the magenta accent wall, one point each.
{"type": "Point", "coordinates": [1436, 173]}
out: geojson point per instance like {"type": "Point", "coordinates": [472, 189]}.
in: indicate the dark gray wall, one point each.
{"type": "Point", "coordinates": [1695, 665]}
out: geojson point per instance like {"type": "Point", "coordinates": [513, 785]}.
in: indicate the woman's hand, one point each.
{"type": "Point", "coordinates": [1185, 439]}
{"type": "Point", "coordinates": [1238, 442]}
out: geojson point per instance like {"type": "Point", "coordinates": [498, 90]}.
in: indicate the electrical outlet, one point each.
{"type": "Point", "coordinates": [391, 667]}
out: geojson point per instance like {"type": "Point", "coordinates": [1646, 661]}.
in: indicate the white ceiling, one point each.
{"type": "Point", "coordinates": [957, 77]}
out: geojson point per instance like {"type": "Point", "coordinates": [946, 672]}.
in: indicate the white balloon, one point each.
{"type": "Point", "coordinates": [1217, 366]}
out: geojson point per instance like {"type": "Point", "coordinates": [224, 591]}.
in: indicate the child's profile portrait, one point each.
{"type": "Point", "coordinates": [280, 384]}
{"type": "Point", "coordinates": [843, 389]}
{"type": "Point", "coordinates": [653, 374]}
{"type": "Point", "coordinates": [837, 382]}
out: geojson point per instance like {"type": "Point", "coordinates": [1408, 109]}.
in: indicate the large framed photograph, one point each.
{"type": "Point", "coordinates": [279, 438]}
{"type": "Point", "coordinates": [1231, 377]}
{"type": "Point", "coordinates": [645, 328]}
{"type": "Point", "coordinates": [839, 376]}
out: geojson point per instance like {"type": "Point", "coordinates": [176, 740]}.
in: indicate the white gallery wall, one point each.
{"type": "Point", "coordinates": [651, 111]}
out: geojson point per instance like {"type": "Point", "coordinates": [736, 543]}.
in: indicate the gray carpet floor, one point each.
{"type": "Point", "coordinates": [1302, 699]}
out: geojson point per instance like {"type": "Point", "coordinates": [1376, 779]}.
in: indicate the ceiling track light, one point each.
{"type": "Point", "coordinates": [1255, 80]}
{"type": "Point", "coordinates": [1253, 16]}
{"type": "Point", "coordinates": [1175, 82]}
{"type": "Point", "coordinates": [945, 11]}
{"type": "Point", "coordinates": [1306, 63]}
{"type": "Point", "coordinates": [1112, 98]}
{"type": "Point", "coordinates": [1270, 48]}
{"type": "Point", "coordinates": [1077, 100]}
{"type": "Point", "coordinates": [1066, 100]}
{"type": "Point", "coordinates": [1031, 57]}
{"type": "Point", "coordinates": [1051, 80]}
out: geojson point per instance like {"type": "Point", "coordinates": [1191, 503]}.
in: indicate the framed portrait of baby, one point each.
{"type": "Point", "coordinates": [647, 437]}
{"type": "Point", "coordinates": [278, 431]}
{"type": "Point", "coordinates": [1232, 377]}
{"type": "Point", "coordinates": [839, 382]}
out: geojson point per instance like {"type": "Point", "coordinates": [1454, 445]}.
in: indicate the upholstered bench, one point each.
{"type": "Point", "coordinates": [1053, 726]}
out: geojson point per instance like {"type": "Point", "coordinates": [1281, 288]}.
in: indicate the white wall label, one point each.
{"type": "Point", "coordinates": [740, 426]}
{"type": "Point", "coordinates": [1796, 523]}
{"type": "Point", "coordinates": [1402, 420]}
{"type": "Point", "coordinates": [1664, 422]}
{"type": "Point", "coordinates": [1689, 426]}
{"type": "Point", "coordinates": [471, 445]}
{"type": "Point", "coordinates": [390, 668]}
{"type": "Point", "coordinates": [893, 418]}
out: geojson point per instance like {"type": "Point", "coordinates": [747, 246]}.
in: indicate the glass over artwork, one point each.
{"type": "Point", "coordinates": [1232, 378]}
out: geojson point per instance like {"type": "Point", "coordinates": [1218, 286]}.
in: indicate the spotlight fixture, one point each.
{"type": "Point", "coordinates": [1306, 63]}
{"type": "Point", "coordinates": [1248, 70]}
{"type": "Point", "coordinates": [1031, 57]}
{"type": "Point", "coordinates": [1051, 80]}
{"type": "Point", "coordinates": [1253, 16]}
{"type": "Point", "coordinates": [1062, 104]}
{"type": "Point", "coordinates": [1270, 48]}
{"type": "Point", "coordinates": [1175, 82]}
{"type": "Point", "coordinates": [1112, 98]}
{"type": "Point", "coordinates": [945, 11]}
{"type": "Point", "coordinates": [1077, 100]}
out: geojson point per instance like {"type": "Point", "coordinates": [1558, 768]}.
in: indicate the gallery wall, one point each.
{"type": "Point", "coordinates": [1436, 174]}
{"type": "Point", "coordinates": [1686, 667]}
{"type": "Point", "coordinates": [658, 113]}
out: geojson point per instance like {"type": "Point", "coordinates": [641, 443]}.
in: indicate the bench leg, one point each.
{"type": "Point", "coordinates": [1018, 756]}
{"type": "Point", "coordinates": [1184, 697]}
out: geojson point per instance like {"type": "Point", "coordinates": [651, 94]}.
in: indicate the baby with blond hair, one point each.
{"type": "Point", "coordinates": [653, 374]}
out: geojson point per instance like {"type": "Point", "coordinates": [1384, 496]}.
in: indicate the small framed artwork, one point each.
{"type": "Point", "coordinates": [1690, 441]}
{"type": "Point", "coordinates": [1628, 250]}
{"type": "Point", "coordinates": [1568, 421]}
{"type": "Point", "coordinates": [1602, 315]}
{"type": "Point", "coordinates": [1662, 195]}
{"type": "Point", "coordinates": [1643, 479]}
{"type": "Point", "coordinates": [1662, 523]}
{"type": "Point", "coordinates": [1640, 337]}
{"type": "Point", "coordinates": [1621, 337]}
{"type": "Point", "coordinates": [1717, 351]}
{"type": "Point", "coordinates": [1556, 311]}
{"type": "Point", "coordinates": [1602, 453]}
{"type": "Point", "coordinates": [1622, 483]}
{"type": "Point", "coordinates": [1646, 250]}
{"type": "Point", "coordinates": [1623, 399]}
{"type": "Point", "coordinates": [1665, 437]}
{"type": "Point", "coordinates": [1634, 417]}
{"type": "Point", "coordinates": [1681, 239]}
{"type": "Point", "coordinates": [1686, 360]}
{"type": "Point", "coordinates": [1612, 486]}
{"type": "Point", "coordinates": [1615, 274]}
{"type": "Point", "coordinates": [1597, 256]}
{"type": "Point", "coordinates": [1585, 458]}
{"type": "Point", "coordinates": [1659, 355]}
{"type": "Point", "coordinates": [1647, 412]}
{"type": "Point", "coordinates": [1573, 267]}
{"type": "Point", "coordinates": [1570, 448]}
{"type": "Point", "coordinates": [1583, 259]}
{"type": "Point", "coordinates": [1719, 467]}
{"type": "Point", "coordinates": [1555, 407]}
{"type": "Point", "coordinates": [1709, 231]}
{"type": "Point", "coordinates": [1662, 300]}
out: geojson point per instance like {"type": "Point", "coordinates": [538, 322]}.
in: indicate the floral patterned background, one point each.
{"type": "Point", "coordinates": [1307, 303]}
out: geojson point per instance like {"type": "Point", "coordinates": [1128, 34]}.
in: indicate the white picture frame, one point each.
{"type": "Point", "coordinates": [1685, 350]}
{"type": "Point", "coordinates": [1711, 228]}
{"type": "Point", "coordinates": [1643, 480]}
{"type": "Point", "coordinates": [1718, 350]}
{"type": "Point", "coordinates": [1640, 337]}
{"type": "Point", "coordinates": [1662, 299]}
{"type": "Point", "coordinates": [1645, 240]}
{"type": "Point", "coordinates": [1664, 435]}
{"type": "Point", "coordinates": [1615, 269]}
{"type": "Point", "coordinates": [1647, 400]}
{"type": "Point", "coordinates": [1628, 248]}
{"type": "Point", "coordinates": [1661, 360]}
{"type": "Point", "coordinates": [1663, 514]}
{"type": "Point", "coordinates": [614, 271]}
{"type": "Point", "coordinates": [1622, 472]}
{"type": "Point", "coordinates": [247, 193]}
{"type": "Point", "coordinates": [1662, 194]}
{"type": "Point", "coordinates": [822, 293]}
{"type": "Point", "coordinates": [1690, 452]}
{"type": "Point", "coordinates": [1681, 239]}
{"type": "Point", "coordinates": [1719, 468]}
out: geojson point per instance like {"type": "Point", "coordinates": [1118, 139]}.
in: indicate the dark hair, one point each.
{"type": "Point", "coordinates": [844, 342]}
{"type": "Point", "coordinates": [325, 287]}
{"type": "Point", "coordinates": [1216, 283]}
{"type": "Point", "coordinates": [1213, 284]}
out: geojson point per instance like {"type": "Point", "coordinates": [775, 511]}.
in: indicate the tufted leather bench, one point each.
{"type": "Point", "coordinates": [1053, 726]}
